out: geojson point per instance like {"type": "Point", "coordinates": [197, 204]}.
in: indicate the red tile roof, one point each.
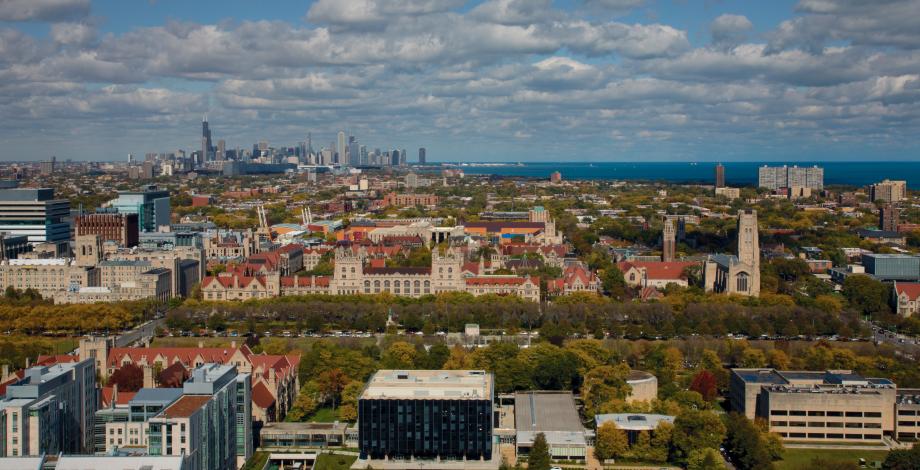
{"type": "Point", "coordinates": [305, 281]}
{"type": "Point", "coordinates": [185, 406]}
{"type": "Point", "coordinates": [261, 396]}
{"type": "Point", "coordinates": [912, 289]}
{"type": "Point", "coordinates": [184, 355]}
{"type": "Point", "coordinates": [123, 397]}
{"type": "Point", "coordinates": [658, 269]}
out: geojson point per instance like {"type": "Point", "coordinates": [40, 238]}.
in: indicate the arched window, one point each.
{"type": "Point", "coordinates": [741, 282]}
{"type": "Point", "coordinates": [632, 277]}
{"type": "Point", "coordinates": [386, 284]}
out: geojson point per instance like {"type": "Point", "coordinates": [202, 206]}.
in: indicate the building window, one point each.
{"type": "Point", "coordinates": [742, 282]}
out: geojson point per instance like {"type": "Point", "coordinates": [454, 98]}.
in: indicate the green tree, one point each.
{"type": "Point", "coordinates": [539, 458]}
{"type": "Point", "coordinates": [752, 358]}
{"type": "Point", "coordinates": [614, 283]}
{"type": "Point", "coordinates": [866, 295]}
{"type": "Point", "coordinates": [901, 459]}
{"type": "Point", "coordinates": [331, 383]}
{"type": "Point", "coordinates": [694, 430]}
{"type": "Point", "coordinates": [746, 444]}
{"type": "Point", "coordinates": [400, 355]}
{"type": "Point", "coordinates": [705, 459]}
{"type": "Point", "coordinates": [611, 441]}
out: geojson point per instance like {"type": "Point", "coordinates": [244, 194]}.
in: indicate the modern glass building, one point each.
{"type": "Point", "coordinates": [427, 414]}
{"type": "Point", "coordinates": [151, 205]}
{"type": "Point", "coordinates": [35, 214]}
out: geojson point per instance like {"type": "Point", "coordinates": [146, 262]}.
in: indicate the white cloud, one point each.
{"type": "Point", "coordinates": [42, 10]}
{"type": "Point", "coordinates": [730, 29]}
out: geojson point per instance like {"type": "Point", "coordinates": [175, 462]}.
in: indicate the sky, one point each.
{"type": "Point", "coordinates": [487, 80]}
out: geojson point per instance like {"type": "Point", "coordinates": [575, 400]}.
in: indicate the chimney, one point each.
{"type": "Point", "coordinates": [233, 344]}
{"type": "Point", "coordinates": [200, 344]}
{"type": "Point", "coordinates": [271, 374]}
{"type": "Point", "coordinates": [6, 373]}
{"type": "Point", "coordinates": [148, 377]}
{"type": "Point", "coordinates": [114, 396]}
{"type": "Point", "coordinates": [28, 362]}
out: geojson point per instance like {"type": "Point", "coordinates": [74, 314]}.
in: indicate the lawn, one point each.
{"type": "Point", "coordinates": [334, 462]}
{"type": "Point", "coordinates": [794, 459]}
{"type": "Point", "coordinates": [256, 462]}
{"type": "Point", "coordinates": [324, 415]}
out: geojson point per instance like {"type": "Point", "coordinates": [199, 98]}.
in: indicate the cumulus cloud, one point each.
{"type": "Point", "coordinates": [730, 29]}
{"type": "Point", "coordinates": [43, 10]}
{"type": "Point", "coordinates": [498, 76]}
{"type": "Point", "coordinates": [369, 12]}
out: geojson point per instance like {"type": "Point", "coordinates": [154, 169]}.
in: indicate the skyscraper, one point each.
{"type": "Point", "coordinates": [720, 176]}
{"type": "Point", "coordinates": [668, 239]}
{"type": "Point", "coordinates": [402, 157]}
{"type": "Point", "coordinates": [340, 148]}
{"type": "Point", "coordinates": [221, 150]}
{"type": "Point", "coordinates": [205, 139]}
{"type": "Point", "coordinates": [394, 157]}
{"type": "Point", "coordinates": [421, 155]}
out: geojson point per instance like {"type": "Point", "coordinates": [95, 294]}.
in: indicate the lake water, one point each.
{"type": "Point", "coordinates": [736, 173]}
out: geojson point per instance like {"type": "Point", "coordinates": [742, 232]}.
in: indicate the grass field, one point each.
{"type": "Point", "coordinates": [795, 459]}
{"type": "Point", "coordinates": [324, 415]}
{"type": "Point", "coordinates": [334, 462]}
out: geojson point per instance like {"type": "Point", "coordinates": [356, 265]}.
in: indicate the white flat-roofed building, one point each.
{"type": "Point", "coordinates": [449, 384]}
{"type": "Point", "coordinates": [121, 462]}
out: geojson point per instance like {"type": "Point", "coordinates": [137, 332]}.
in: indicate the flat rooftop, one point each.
{"type": "Point", "coordinates": [134, 462]}
{"type": "Point", "coordinates": [546, 411]}
{"type": "Point", "coordinates": [634, 421]}
{"type": "Point", "coordinates": [429, 384]}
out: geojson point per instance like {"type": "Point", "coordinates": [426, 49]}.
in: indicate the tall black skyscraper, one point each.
{"type": "Point", "coordinates": [421, 155]}
{"type": "Point", "coordinates": [205, 140]}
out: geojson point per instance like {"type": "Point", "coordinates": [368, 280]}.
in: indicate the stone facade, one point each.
{"type": "Point", "coordinates": [737, 274]}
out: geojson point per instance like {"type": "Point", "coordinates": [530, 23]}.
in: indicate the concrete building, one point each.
{"type": "Point", "coordinates": [49, 410]}
{"type": "Point", "coordinates": [888, 191]}
{"type": "Point", "coordinates": [786, 177]}
{"type": "Point", "coordinates": [892, 267]}
{"type": "Point", "coordinates": [151, 205]}
{"type": "Point", "coordinates": [737, 274]}
{"type": "Point", "coordinates": [403, 415]}
{"type": "Point", "coordinates": [35, 214]}
{"type": "Point", "coordinates": [731, 193]}
{"type": "Point", "coordinates": [907, 408]}
{"type": "Point", "coordinates": [889, 217]}
{"type": "Point", "coordinates": [720, 176]}
{"type": "Point", "coordinates": [633, 423]}
{"type": "Point", "coordinates": [202, 425]}
{"type": "Point", "coordinates": [835, 405]}
{"type": "Point", "coordinates": [553, 414]}
{"type": "Point", "coordinates": [274, 378]}
{"type": "Point", "coordinates": [13, 246]}
{"type": "Point", "coordinates": [50, 277]}
{"type": "Point", "coordinates": [111, 226]}
{"type": "Point", "coordinates": [410, 200]}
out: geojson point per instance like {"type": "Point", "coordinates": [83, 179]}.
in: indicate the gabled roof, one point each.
{"type": "Point", "coordinates": [261, 396]}
{"type": "Point", "coordinates": [186, 356]}
{"type": "Point", "coordinates": [911, 289]}
{"type": "Point", "coordinates": [658, 269]}
{"type": "Point", "coordinates": [123, 397]}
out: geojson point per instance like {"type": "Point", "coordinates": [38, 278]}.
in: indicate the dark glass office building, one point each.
{"type": "Point", "coordinates": [427, 414]}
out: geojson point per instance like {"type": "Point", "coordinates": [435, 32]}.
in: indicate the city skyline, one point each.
{"type": "Point", "coordinates": [493, 80]}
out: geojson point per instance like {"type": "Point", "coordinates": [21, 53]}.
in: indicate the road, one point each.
{"type": "Point", "coordinates": [145, 330]}
{"type": "Point", "coordinates": [906, 346]}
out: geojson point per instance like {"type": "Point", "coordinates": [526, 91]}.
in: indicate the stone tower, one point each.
{"type": "Point", "coordinates": [446, 271]}
{"type": "Point", "coordinates": [668, 240]}
{"type": "Point", "coordinates": [88, 250]}
{"type": "Point", "coordinates": [748, 241]}
{"type": "Point", "coordinates": [348, 273]}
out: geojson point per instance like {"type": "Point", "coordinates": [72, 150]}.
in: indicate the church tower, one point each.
{"type": "Point", "coordinates": [748, 241]}
{"type": "Point", "coordinates": [668, 239]}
